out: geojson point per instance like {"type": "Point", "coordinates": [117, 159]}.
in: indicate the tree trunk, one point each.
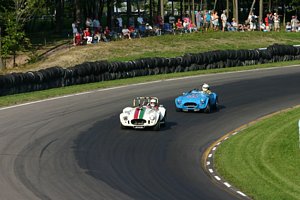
{"type": "Point", "coordinates": [261, 10]}
{"type": "Point", "coordinates": [77, 11]}
{"type": "Point", "coordinates": [252, 6]}
{"type": "Point", "coordinates": [14, 56]}
{"type": "Point", "coordinates": [193, 11]}
{"type": "Point", "coordinates": [227, 9]}
{"type": "Point", "coordinates": [151, 11]}
{"type": "Point", "coordinates": [236, 11]}
{"type": "Point", "coordinates": [109, 13]}
{"type": "Point", "coordinates": [128, 11]}
{"type": "Point", "coordinates": [162, 10]}
{"type": "Point", "coordinates": [181, 9]}
{"type": "Point", "coordinates": [101, 6]}
{"type": "Point", "coordinates": [58, 16]}
{"type": "Point", "coordinates": [1, 63]}
{"type": "Point", "coordinates": [216, 1]}
{"type": "Point", "coordinates": [138, 7]}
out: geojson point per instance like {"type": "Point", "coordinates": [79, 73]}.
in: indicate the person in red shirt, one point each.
{"type": "Point", "coordinates": [179, 26]}
{"type": "Point", "coordinates": [106, 31]}
{"type": "Point", "coordinates": [87, 36]}
{"type": "Point", "coordinates": [267, 22]}
{"type": "Point", "coordinates": [78, 39]}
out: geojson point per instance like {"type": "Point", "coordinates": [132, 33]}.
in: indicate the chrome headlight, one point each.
{"type": "Point", "coordinates": [125, 118]}
{"type": "Point", "coordinates": [202, 101]}
{"type": "Point", "coordinates": [179, 101]}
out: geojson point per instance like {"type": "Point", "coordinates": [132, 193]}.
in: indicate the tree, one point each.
{"type": "Point", "coordinates": [16, 13]}
{"type": "Point", "coordinates": [14, 41]}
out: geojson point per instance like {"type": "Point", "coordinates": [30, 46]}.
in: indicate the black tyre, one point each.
{"type": "Point", "coordinates": [122, 126]}
{"type": "Point", "coordinates": [157, 126]}
{"type": "Point", "coordinates": [216, 105]}
{"type": "Point", "coordinates": [163, 121]}
{"type": "Point", "coordinates": [208, 108]}
{"type": "Point", "coordinates": [178, 109]}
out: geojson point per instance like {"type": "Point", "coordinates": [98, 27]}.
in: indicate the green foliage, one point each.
{"type": "Point", "coordinates": [14, 39]}
{"type": "Point", "coordinates": [296, 4]}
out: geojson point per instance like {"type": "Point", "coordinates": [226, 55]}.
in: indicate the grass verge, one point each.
{"type": "Point", "coordinates": [161, 46]}
{"type": "Point", "coordinates": [38, 95]}
{"type": "Point", "coordinates": [263, 160]}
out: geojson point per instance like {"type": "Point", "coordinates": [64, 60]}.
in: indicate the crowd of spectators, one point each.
{"type": "Point", "coordinates": [206, 20]}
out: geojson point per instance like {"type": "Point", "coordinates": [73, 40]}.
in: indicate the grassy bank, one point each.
{"type": "Point", "coordinates": [161, 46]}
{"type": "Point", "coordinates": [32, 96]}
{"type": "Point", "coordinates": [263, 161]}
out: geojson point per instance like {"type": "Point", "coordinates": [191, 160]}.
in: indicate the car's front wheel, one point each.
{"type": "Point", "coordinates": [178, 109]}
{"type": "Point", "coordinates": [122, 126]}
{"type": "Point", "coordinates": [207, 108]}
{"type": "Point", "coordinates": [163, 121]}
{"type": "Point", "coordinates": [157, 126]}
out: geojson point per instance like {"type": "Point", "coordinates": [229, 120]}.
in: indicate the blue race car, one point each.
{"type": "Point", "coordinates": [196, 100]}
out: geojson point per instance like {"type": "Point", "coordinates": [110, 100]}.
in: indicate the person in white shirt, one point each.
{"type": "Point", "coordinates": [224, 20]}
{"type": "Point", "coordinates": [276, 22]}
{"type": "Point", "coordinates": [294, 23]}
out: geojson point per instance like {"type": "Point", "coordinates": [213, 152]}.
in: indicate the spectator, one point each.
{"type": "Point", "coordinates": [96, 25]}
{"type": "Point", "coordinates": [96, 37]}
{"type": "Point", "coordinates": [75, 31]}
{"type": "Point", "coordinates": [271, 21]}
{"type": "Point", "coordinates": [193, 27]}
{"type": "Point", "coordinates": [224, 20]}
{"type": "Point", "coordinates": [140, 20]}
{"type": "Point", "coordinates": [267, 22]}
{"type": "Point", "coordinates": [171, 20]}
{"type": "Point", "coordinates": [88, 22]}
{"type": "Point", "coordinates": [179, 26]}
{"type": "Point", "coordinates": [276, 22]}
{"type": "Point", "coordinates": [78, 39]}
{"type": "Point", "coordinates": [126, 32]}
{"type": "Point", "coordinates": [133, 32]}
{"type": "Point", "coordinates": [87, 36]}
{"type": "Point", "coordinates": [262, 26]}
{"type": "Point", "coordinates": [288, 27]}
{"type": "Point", "coordinates": [252, 21]}
{"type": "Point", "coordinates": [148, 29]}
{"type": "Point", "coordinates": [131, 21]}
{"type": "Point", "coordinates": [159, 21]}
{"type": "Point", "coordinates": [119, 23]}
{"type": "Point", "coordinates": [106, 32]}
{"type": "Point", "coordinates": [234, 25]}
{"type": "Point", "coordinates": [215, 20]}
{"type": "Point", "coordinates": [294, 23]}
{"type": "Point", "coordinates": [207, 20]}
{"type": "Point", "coordinates": [199, 20]}
{"type": "Point", "coordinates": [157, 30]}
{"type": "Point", "coordinates": [186, 25]}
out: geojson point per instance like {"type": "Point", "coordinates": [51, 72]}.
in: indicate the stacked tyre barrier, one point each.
{"type": "Point", "coordinates": [89, 72]}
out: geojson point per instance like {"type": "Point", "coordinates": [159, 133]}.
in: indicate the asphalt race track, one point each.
{"type": "Point", "coordinates": [73, 148]}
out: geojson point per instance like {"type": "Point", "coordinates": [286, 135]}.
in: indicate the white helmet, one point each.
{"type": "Point", "coordinates": [205, 87]}
{"type": "Point", "coordinates": [152, 102]}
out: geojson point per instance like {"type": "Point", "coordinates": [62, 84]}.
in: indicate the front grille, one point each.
{"type": "Point", "coordinates": [190, 105]}
{"type": "Point", "coordinates": [138, 121]}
